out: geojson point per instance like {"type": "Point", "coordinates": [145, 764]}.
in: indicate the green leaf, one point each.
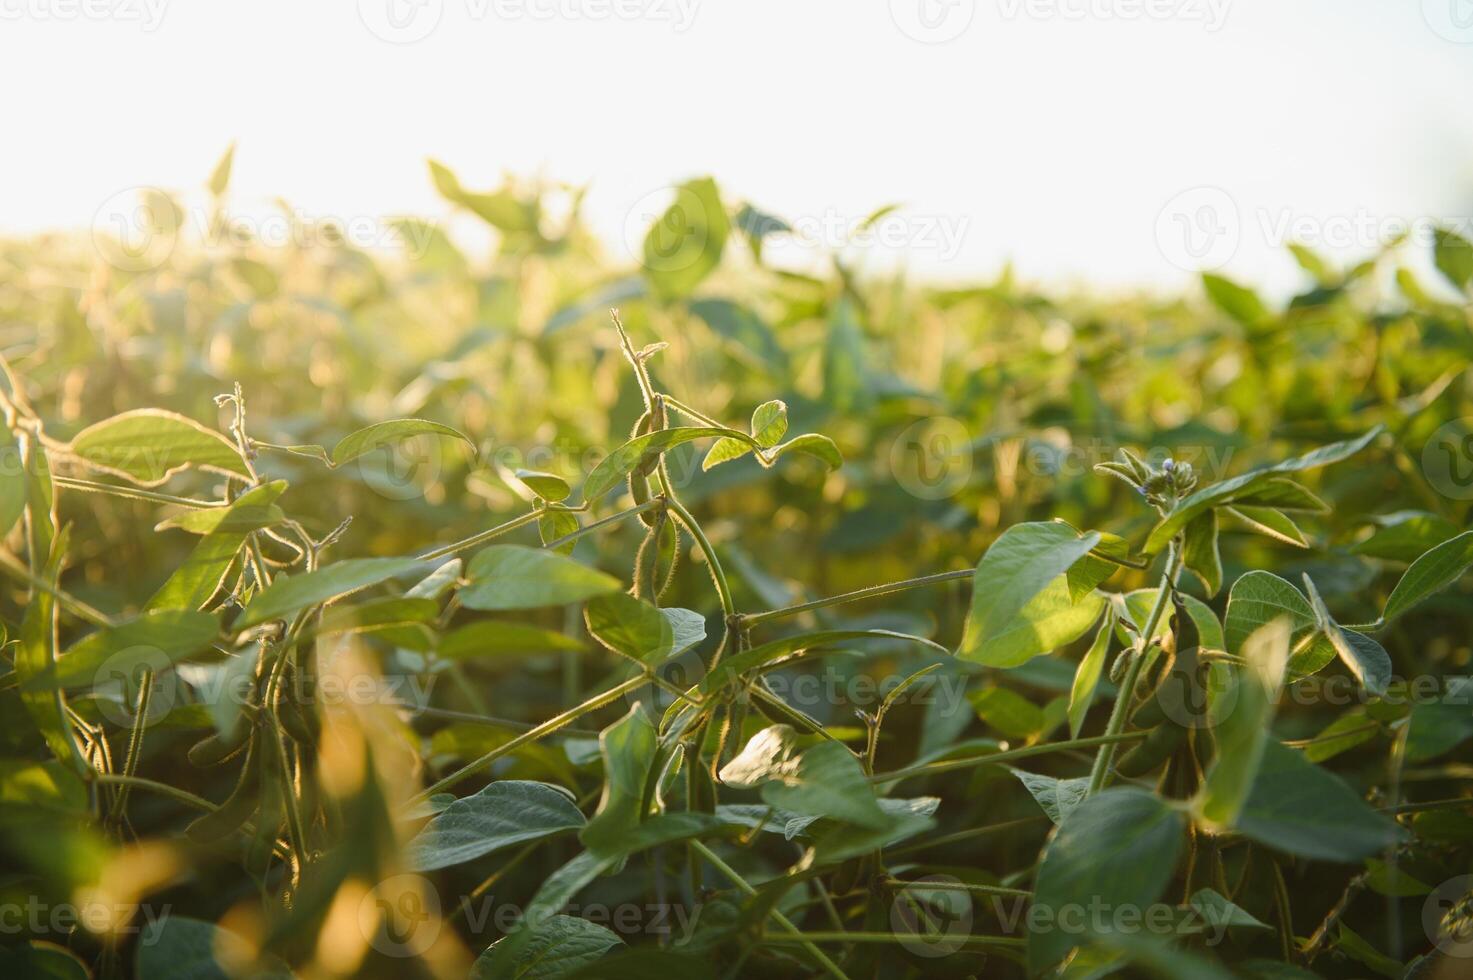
{"type": "Point", "coordinates": [1050, 620]}
{"type": "Point", "coordinates": [182, 948]}
{"type": "Point", "coordinates": [378, 615]}
{"type": "Point", "coordinates": [1199, 551]}
{"type": "Point", "coordinates": [1238, 302]}
{"type": "Point", "coordinates": [811, 444]}
{"type": "Point", "coordinates": [1228, 491]}
{"type": "Point", "coordinates": [556, 947]}
{"type": "Point", "coordinates": [1405, 535]}
{"type": "Point", "coordinates": [613, 468]}
{"type": "Point", "coordinates": [12, 481]}
{"type": "Point", "coordinates": [1018, 566]}
{"type": "Point", "coordinates": [548, 486]}
{"type": "Point", "coordinates": [1268, 522]}
{"type": "Point", "coordinates": [1356, 948]}
{"type": "Point", "coordinates": [149, 445]}
{"type": "Point", "coordinates": [220, 176]}
{"type": "Point", "coordinates": [1353, 728]}
{"type": "Point", "coordinates": [500, 209]}
{"type": "Point", "coordinates": [504, 813]}
{"type": "Point", "coordinates": [687, 628]}
{"type": "Point", "coordinates": [197, 580]}
{"type": "Point", "coordinates": [1058, 797]}
{"type": "Point", "coordinates": [1439, 726]}
{"type": "Point", "coordinates": [154, 639]}
{"type": "Point", "coordinates": [724, 450]}
{"type": "Point", "coordinates": [629, 626]}
{"type": "Point", "coordinates": [1244, 730]}
{"type": "Point", "coordinates": [1299, 808]}
{"type": "Point", "coordinates": [1217, 913]}
{"type": "Point", "coordinates": [230, 518]}
{"type": "Point", "coordinates": [1117, 848]}
{"type": "Point", "coordinates": [494, 637]}
{"type": "Point", "coordinates": [509, 576]}
{"type": "Point", "coordinates": [826, 781]}
{"type": "Point", "coordinates": [761, 759]}
{"type": "Point", "coordinates": [35, 665]}
{"type": "Point", "coordinates": [1258, 598]}
{"type": "Point", "coordinates": [380, 434]}
{"type": "Point", "coordinates": [1453, 255]}
{"type": "Point", "coordinates": [1087, 677]}
{"type": "Point", "coordinates": [1363, 656]}
{"type": "Point", "coordinates": [769, 423]}
{"type": "Point", "coordinates": [684, 245]}
{"type": "Point", "coordinates": [290, 594]}
{"type": "Point", "coordinates": [1007, 711]}
{"type": "Point", "coordinates": [1429, 574]}
{"type": "Point", "coordinates": [1282, 493]}
{"type": "Point", "coordinates": [845, 377]}
{"type": "Point", "coordinates": [629, 748]}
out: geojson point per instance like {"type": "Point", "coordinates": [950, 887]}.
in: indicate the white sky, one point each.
{"type": "Point", "coordinates": [1052, 132]}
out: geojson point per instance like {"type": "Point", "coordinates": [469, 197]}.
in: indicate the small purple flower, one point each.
{"type": "Point", "coordinates": [1169, 464]}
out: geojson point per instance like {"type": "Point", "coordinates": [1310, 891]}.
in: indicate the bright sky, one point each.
{"type": "Point", "coordinates": [1116, 142]}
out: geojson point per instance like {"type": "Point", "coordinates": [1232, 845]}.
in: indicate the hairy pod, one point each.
{"type": "Point", "coordinates": [236, 809]}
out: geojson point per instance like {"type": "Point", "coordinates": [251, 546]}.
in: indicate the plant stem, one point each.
{"type": "Point", "coordinates": [604, 522]}
{"type": "Point", "coordinates": [164, 789]}
{"type": "Point", "coordinates": [1011, 942]}
{"type": "Point", "coordinates": [11, 565]}
{"type": "Point", "coordinates": [960, 886]}
{"type": "Point", "coordinates": [135, 744]}
{"type": "Point", "coordinates": [135, 493]}
{"type": "Point", "coordinates": [753, 619]}
{"type": "Point", "coordinates": [475, 539]}
{"type": "Point", "coordinates": [1125, 696]}
{"type": "Point", "coordinates": [542, 730]}
{"type": "Point", "coordinates": [951, 765]}
{"type": "Point", "coordinates": [782, 920]}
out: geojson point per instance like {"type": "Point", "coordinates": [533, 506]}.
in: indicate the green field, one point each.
{"type": "Point", "coordinates": [533, 613]}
